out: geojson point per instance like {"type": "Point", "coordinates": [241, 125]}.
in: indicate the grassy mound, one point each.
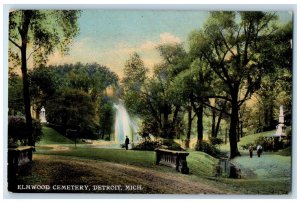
{"type": "Point", "coordinates": [247, 139]}
{"type": "Point", "coordinates": [199, 163]}
{"type": "Point", "coordinates": [51, 136]}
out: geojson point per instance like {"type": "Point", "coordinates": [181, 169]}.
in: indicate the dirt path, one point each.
{"type": "Point", "coordinates": [58, 170]}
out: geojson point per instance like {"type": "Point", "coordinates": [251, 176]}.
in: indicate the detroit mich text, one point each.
{"type": "Point", "coordinates": [92, 188]}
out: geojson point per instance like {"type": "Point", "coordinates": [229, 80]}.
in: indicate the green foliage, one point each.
{"type": "Point", "coordinates": [208, 148]}
{"type": "Point", "coordinates": [285, 152]}
{"type": "Point", "coordinates": [150, 145]}
{"type": "Point", "coordinates": [133, 85]}
{"type": "Point", "coordinates": [238, 47]}
{"type": "Point", "coordinates": [156, 99]}
{"type": "Point", "coordinates": [106, 117]}
{"type": "Point", "coordinates": [51, 136]}
{"type": "Point", "coordinates": [74, 95]}
{"type": "Point", "coordinates": [270, 144]}
{"type": "Point", "coordinates": [38, 33]}
{"type": "Point", "coordinates": [43, 85]}
{"type": "Point", "coordinates": [18, 132]}
{"type": "Point", "coordinates": [73, 109]}
{"type": "Point", "coordinates": [171, 145]}
{"type": "Point", "coordinates": [48, 30]}
{"type": "Point", "coordinates": [215, 140]}
{"type": "Point", "coordinates": [15, 96]}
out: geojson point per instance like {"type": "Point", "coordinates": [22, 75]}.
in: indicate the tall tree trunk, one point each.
{"type": "Point", "coordinates": [238, 130]}
{"type": "Point", "coordinates": [189, 127]}
{"type": "Point", "coordinates": [199, 113]}
{"type": "Point", "coordinates": [226, 135]}
{"type": "Point", "coordinates": [241, 129]}
{"type": "Point", "coordinates": [200, 122]}
{"type": "Point", "coordinates": [173, 130]}
{"type": "Point", "coordinates": [165, 122]}
{"type": "Point", "coordinates": [218, 124]}
{"type": "Point", "coordinates": [213, 123]}
{"type": "Point", "coordinates": [24, 36]}
{"type": "Point", "coordinates": [233, 124]}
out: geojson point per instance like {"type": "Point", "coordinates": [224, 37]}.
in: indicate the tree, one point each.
{"type": "Point", "coordinates": [133, 83]}
{"type": "Point", "coordinates": [75, 109]}
{"type": "Point", "coordinates": [43, 85]}
{"type": "Point", "coordinates": [42, 31]}
{"type": "Point", "coordinates": [106, 117]}
{"type": "Point", "coordinates": [233, 45]}
{"type": "Point", "coordinates": [15, 98]}
{"type": "Point", "coordinates": [155, 99]}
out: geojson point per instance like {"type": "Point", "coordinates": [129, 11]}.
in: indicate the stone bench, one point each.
{"type": "Point", "coordinates": [18, 157]}
{"type": "Point", "coordinates": [175, 159]}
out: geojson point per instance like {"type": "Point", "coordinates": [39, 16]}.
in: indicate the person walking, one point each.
{"type": "Point", "coordinates": [126, 143]}
{"type": "Point", "coordinates": [251, 151]}
{"type": "Point", "coordinates": [259, 150]}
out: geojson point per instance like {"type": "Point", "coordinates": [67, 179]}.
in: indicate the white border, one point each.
{"type": "Point", "coordinates": [119, 4]}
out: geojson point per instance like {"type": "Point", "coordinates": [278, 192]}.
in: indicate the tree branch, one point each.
{"type": "Point", "coordinates": [226, 45]}
{"type": "Point", "coordinates": [219, 97]}
{"type": "Point", "coordinates": [14, 43]}
{"type": "Point", "coordinates": [33, 52]}
{"type": "Point", "coordinates": [217, 109]}
{"type": "Point", "coordinates": [245, 97]}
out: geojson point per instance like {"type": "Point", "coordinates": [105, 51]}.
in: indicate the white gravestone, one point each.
{"type": "Point", "coordinates": [281, 126]}
{"type": "Point", "coordinates": [43, 115]}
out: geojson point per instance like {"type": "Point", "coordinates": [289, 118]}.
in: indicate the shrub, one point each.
{"type": "Point", "coordinates": [37, 130]}
{"type": "Point", "coordinates": [206, 147]}
{"type": "Point", "coordinates": [171, 145]}
{"type": "Point", "coordinates": [18, 132]}
{"type": "Point", "coordinates": [215, 140]}
{"type": "Point", "coordinates": [147, 144]}
{"type": "Point", "coordinates": [271, 144]}
{"type": "Point", "coordinates": [246, 146]}
{"type": "Point", "coordinates": [107, 138]}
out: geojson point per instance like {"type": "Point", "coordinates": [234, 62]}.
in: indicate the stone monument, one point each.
{"type": "Point", "coordinates": [43, 115]}
{"type": "Point", "coordinates": [280, 132]}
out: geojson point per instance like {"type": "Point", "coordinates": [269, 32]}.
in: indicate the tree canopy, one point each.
{"type": "Point", "coordinates": [39, 33]}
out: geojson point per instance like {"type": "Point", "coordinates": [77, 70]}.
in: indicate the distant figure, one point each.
{"type": "Point", "coordinates": [126, 143]}
{"type": "Point", "coordinates": [259, 150]}
{"type": "Point", "coordinates": [251, 151]}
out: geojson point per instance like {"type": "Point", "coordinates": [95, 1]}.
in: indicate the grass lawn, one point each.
{"type": "Point", "coordinates": [271, 177]}
{"type": "Point", "coordinates": [51, 136]}
{"type": "Point", "coordinates": [247, 139]}
{"type": "Point", "coordinates": [199, 163]}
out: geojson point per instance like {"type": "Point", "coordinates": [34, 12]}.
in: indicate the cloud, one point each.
{"type": "Point", "coordinates": [168, 38]}
{"type": "Point", "coordinates": [147, 47]}
{"type": "Point", "coordinates": [87, 51]}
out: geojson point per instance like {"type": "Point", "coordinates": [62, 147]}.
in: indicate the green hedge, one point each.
{"type": "Point", "coordinates": [18, 133]}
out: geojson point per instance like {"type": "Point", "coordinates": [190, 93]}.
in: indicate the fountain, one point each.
{"type": "Point", "coordinates": [124, 125]}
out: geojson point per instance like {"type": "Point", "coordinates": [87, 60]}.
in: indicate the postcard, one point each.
{"type": "Point", "coordinates": [148, 101]}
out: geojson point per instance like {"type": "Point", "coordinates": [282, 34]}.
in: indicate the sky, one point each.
{"type": "Point", "coordinates": [109, 37]}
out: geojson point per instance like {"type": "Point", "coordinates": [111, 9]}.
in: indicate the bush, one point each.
{"type": "Point", "coordinates": [207, 148]}
{"type": "Point", "coordinates": [107, 138]}
{"type": "Point", "coordinates": [18, 134]}
{"type": "Point", "coordinates": [150, 145]}
{"type": "Point", "coordinates": [147, 144]}
{"type": "Point", "coordinates": [171, 145]}
{"type": "Point", "coordinates": [271, 144]}
{"type": "Point", "coordinates": [246, 146]}
{"type": "Point", "coordinates": [215, 140]}
{"type": "Point", "coordinates": [37, 130]}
